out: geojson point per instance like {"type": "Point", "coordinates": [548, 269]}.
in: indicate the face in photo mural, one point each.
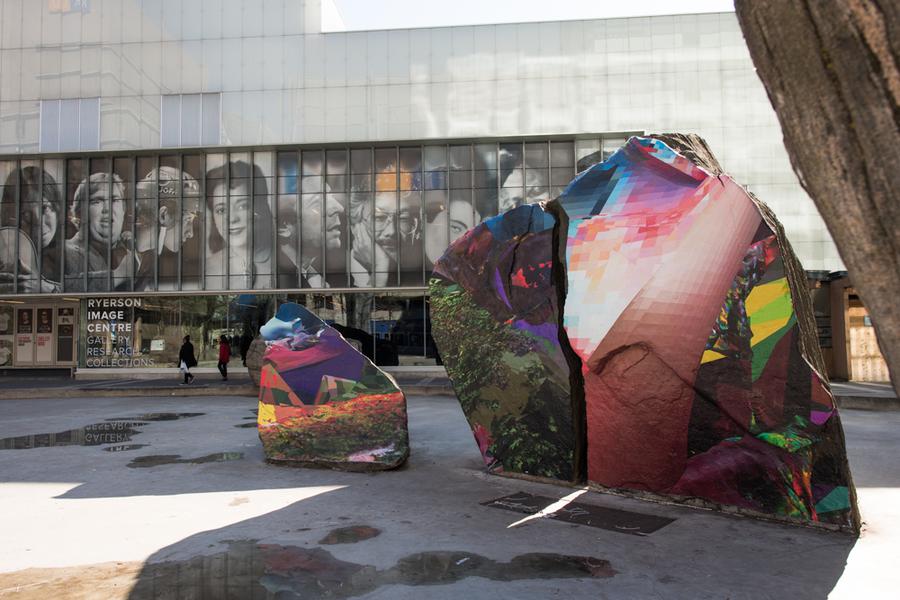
{"type": "Point", "coordinates": [166, 230]}
{"type": "Point", "coordinates": [98, 250]}
{"type": "Point", "coordinates": [37, 228]}
{"type": "Point", "coordinates": [239, 228]}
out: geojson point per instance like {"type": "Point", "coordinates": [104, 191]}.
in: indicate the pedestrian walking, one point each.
{"type": "Point", "coordinates": [224, 356]}
{"type": "Point", "coordinates": [186, 359]}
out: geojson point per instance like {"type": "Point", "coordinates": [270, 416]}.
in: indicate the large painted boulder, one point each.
{"type": "Point", "coordinates": [323, 403]}
{"type": "Point", "coordinates": [693, 364]}
{"type": "Point", "coordinates": [495, 315]}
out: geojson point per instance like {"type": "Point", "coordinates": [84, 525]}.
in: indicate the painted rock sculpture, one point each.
{"type": "Point", "coordinates": [495, 316]}
{"type": "Point", "coordinates": [322, 402]}
{"type": "Point", "coordinates": [687, 339]}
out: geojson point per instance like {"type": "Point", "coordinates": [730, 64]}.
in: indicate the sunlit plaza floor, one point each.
{"type": "Point", "coordinates": [193, 511]}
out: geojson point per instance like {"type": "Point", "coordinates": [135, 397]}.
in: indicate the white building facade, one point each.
{"type": "Point", "coordinates": [343, 162]}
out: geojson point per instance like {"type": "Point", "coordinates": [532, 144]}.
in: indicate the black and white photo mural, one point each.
{"type": "Point", "coordinates": [299, 218]}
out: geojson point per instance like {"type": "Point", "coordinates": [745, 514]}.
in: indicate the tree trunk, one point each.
{"type": "Point", "coordinates": [832, 72]}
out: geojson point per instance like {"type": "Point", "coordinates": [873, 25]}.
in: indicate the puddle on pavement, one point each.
{"type": "Point", "coordinates": [158, 460]}
{"type": "Point", "coordinates": [97, 434]}
{"type": "Point", "coordinates": [125, 447]}
{"type": "Point", "coordinates": [165, 416]}
{"type": "Point", "coordinates": [251, 570]}
{"type": "Point", "coordinates": [111, 431]}
{"type": "Point", "coordinates": [350, 535]}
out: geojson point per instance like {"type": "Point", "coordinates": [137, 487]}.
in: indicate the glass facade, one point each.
{"type": "Point", "coordinates": [265, 74]}
{"type": "Point", "coordinates": [275, 219]}
{"type": "Point", "coordinates": [194, 155]}
{"type": "Point", "coordinates": [146, 331]}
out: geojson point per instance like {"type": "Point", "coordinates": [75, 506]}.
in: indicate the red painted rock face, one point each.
{"type": "Point", "coordinates": [683, 333]}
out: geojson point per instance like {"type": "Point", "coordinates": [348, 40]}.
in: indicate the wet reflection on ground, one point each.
{"type": "Point", "coordinates": [157, 460]}
{"type": "Point", "coordinates": [89, 435]}
{"type": "Point", "coordinates": [112, 431]}
{"type": "Point", "coordinates": [248, 569]}
{"type": "Point", "coordinates": [350, 535]}
{"type": "Point", "coordinates": [125, 447]}
{"type": "Point", "coordinates": [163, 416]}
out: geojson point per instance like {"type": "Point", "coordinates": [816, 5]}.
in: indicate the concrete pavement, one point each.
{"type": "Point", "coordinates": [194, 509]}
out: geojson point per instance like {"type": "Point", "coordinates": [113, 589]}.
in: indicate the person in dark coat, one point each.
{"type": "Point", "coordinates": [186, 359]}
{"type": "Point", "coordinates": [224, 356]}
{"type": "Point", "coordinates": [246, 340]}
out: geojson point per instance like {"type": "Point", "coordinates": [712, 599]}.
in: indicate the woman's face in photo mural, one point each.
{"type": "Point", "coordinates": [238, 218]}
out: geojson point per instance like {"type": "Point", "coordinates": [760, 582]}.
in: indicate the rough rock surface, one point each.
{"type": "Point", "coordinates": [322, 402]}
{"type": "Point", "coordinates": [679, 302]}
{"type": "Point", "coordinates": [496, 318]}
{"type": "Point", "coordinates": [255, 359]}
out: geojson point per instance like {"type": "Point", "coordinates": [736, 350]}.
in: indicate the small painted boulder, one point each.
{"type": "Point", "coordinates": [323, 403]}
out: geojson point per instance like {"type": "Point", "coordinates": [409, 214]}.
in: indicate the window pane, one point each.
{"type": "Point", "coordinates": [169, 117]}
{"type": "Point", "coordinates": [435, 158]}
{"type": "Point", "coordinates": [145, 220]}
{"type": "Point", "coordinates": [264, 258]}
{"type": "Point", "coordinates": [436, 215]}
{"type": "Point", "coordinates": [385, 160]}
{"type": "Point", "coordinates": [562, 154]}
{"type": "Point", "coordinates": [486, 156]}
{"type": "Point", "coordinates": [49, 125]}
{"type": "Point", "coordinates": [588, 153]}
{"type": "Point", "coordinates": [121, 279]}
{"type": "Point", "coordinates": [287, 173]}
{"type": "Point", "coordinates": [386, 239]}
{"type": "Point", "coordinates": [409, 229]}
{"type": "Point", "coordinates": [288, 238]}
{"type": "Point", "coordinates": [536, 184]}
{"type": "Point", "coordinates": [485, 206]}
{"type": "Point", "coordinates": [192, 226]}
{"type": "Point", "coordinates": [361, 161]}
{"type": "Point", "coordinates": [312, 162]}
{"type": "Point", "coordinates": [336, 239]}
{"type": "Point", "coordinates": [609, 146]}
{"type": "Point", "coordinates": [460, 158]}
{"type": "Point", "coordinates": [311, 259]}
{"type": "Point", "coordinates": [410, 160]}
{"type": "Point", "coordinates": [210, 114]}
{"type": "Point", "coordinates": [52, 231]}
{"type": "Point", "coordinates": [90, 124]}
{"type": "Point", "coordinates": [190, 120]}
{"type": "Point", "coordinates": [68, 125]}
{"type": "Point", "coordinates": [362, 240]}
{"type": "Point", "coordinates": [216, 221]}
{"type": "Point", "coordinates": [336, 162]}
{"type": "Point", "coordinates": [536, 155]}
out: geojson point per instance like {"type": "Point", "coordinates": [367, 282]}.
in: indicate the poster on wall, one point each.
{"type": "Point", "coordinates": [65, 320]}
{"type": "Point", "coordinates": [6, 350]}
{"type": "Point", "coordinates": [45, 320]}
{"type": "Point", "coordinates": [24, 321]}
{"type": "Point", "coordinates": [6, 320]}
{"type": "Point", "coordinates": [6, 337]}
{"type": "Point", "coordinates": [24, 336]}
{"type": "Point", "coordinates": [44, 337]}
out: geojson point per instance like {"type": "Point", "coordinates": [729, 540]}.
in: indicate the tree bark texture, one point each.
{"type": "Point", "coordinates": [832, 72]}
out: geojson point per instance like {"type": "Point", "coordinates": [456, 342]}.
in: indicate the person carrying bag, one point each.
{"type": "Point", "coordinates": [187, 360]}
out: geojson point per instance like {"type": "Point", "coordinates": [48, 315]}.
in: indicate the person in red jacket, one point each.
{"type": "Point", "coordinates": [224, 356]}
